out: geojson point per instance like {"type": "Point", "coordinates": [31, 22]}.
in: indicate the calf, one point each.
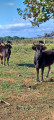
{"type": "Point", "coordinates": [5, 52]}
{"type": "Point", "coordinates": [42, 59]}
{"type": "Point", "coordinates": [42, 42]}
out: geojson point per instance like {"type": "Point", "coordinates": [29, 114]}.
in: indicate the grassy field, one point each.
{"type": "Point", "coordinates": [28, 99]}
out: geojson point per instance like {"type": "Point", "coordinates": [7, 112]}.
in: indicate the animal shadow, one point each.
{"type": "Point", "coordinates": [51, 80]}
{"type": "Point", "coordinates": [27, 65]}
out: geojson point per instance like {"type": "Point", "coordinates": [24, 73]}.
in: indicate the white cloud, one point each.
{"type": "Point", "coordinates": [10, 4]}
{"type": "Point", "coordinates": [14, 25]}
{"type": "Point", "coordinates": [24, 29]}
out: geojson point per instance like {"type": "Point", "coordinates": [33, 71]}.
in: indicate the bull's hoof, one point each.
{"type": "Point", "coordinates": [41, 80]}
{"type": "Point", "coordinates": [1, 63]}
{"type": "Point", "coordinates": [37, 81]}
{"type": "Point", "coordinates": [7, 64]}
{"type": "Point", "coordinates": [4, 64]}
{"type": "Point", "coordinates": [46, 76]}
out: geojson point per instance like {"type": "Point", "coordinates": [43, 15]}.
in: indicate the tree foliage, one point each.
{"type": "Point", "coordinates": [38, 11]}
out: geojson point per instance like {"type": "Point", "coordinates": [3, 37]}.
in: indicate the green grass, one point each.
{"type": "Point", "coordinates": [21, 64]}
{"type": "Point", "coordinates": [16, 78]}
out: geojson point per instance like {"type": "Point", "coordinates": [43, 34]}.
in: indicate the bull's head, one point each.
{"type": "Point", "coordinates": [38, 47]}
{"type": "Point", "coordinates": [8, 46]}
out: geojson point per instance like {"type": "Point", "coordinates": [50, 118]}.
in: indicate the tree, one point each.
{"type": "Point", "coordinates": [39, 10]}
{"type": "Point", "coordinates": [7, 38]}
{"type": "Point", "coordinates": [15, 37]}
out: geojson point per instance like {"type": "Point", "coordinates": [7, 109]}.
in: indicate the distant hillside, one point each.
{"type": "Point", "coordinates": [46, 38]}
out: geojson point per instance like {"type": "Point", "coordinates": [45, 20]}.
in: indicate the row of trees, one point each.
{"type": "Point", "coordinates": [18, 38]}
{"type": "Point", "coordinates": [10, 38]}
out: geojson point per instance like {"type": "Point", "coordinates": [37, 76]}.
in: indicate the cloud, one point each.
{"type": "Point", "coordinates": [24, 29]}
{"type": "Point", "coordinates": [10, 4]}
{"type": "Point", "coordinates": [14, 29]}
{"type": "Point", "coordinates": [14, 25]}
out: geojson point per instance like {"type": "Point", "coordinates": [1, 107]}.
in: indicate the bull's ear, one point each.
{"type": "Point", "coordinates": [42, 47]}
{"type": "Point", "coordinates": [34, 48]}
{"type": "Point", "coordinates": [10, 46]}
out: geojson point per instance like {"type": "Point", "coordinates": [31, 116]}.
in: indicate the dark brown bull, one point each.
{"type": "Point", "coordinates": [5, 51]}
{"type": "Point", "coordinates": [42, 59]}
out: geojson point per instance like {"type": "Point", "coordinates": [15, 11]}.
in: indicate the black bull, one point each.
{"type": "Point", "coordinates": [42, 59]}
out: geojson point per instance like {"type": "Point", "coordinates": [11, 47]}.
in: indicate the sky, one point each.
{"type": "Point", "coordinates": [12, 25]}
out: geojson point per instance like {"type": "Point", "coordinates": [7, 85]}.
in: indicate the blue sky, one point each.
{"type": "Point", "coordinates": [12, 25]}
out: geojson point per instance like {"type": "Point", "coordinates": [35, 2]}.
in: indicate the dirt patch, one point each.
{"type": "Point", "coordinates": [7, 79]}
{"type": "Point", "coordinates": [26, 107]}
{"type": "Point", "coordinates": [11, 71]}
{"type": "Point", "coordinates": [34, 102]}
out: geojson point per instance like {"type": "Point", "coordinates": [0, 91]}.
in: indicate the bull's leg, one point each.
{"type": "Point", "coordinates": [7, 60]}
{"type": "Point", "coordinates": [37, 69]}
{"type": "Point", "coordinates": [2, 60]}
{"type": "Point", "coordinates": [48, 71]}
{"type": "Point", "coordinates": [42, 71]}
